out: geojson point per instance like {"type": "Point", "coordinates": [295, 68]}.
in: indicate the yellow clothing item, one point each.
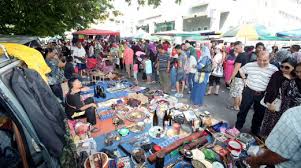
{"type": "Point", "coordinates": [32, 57]}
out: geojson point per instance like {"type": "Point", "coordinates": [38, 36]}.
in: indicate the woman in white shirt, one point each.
{"type": "Point", "coordinates": [217, 72]}
{"type": "Point", "coordinates": [190, 69]}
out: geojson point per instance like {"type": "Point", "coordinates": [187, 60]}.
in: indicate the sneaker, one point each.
{"type": "Point", "coordinates": [177, 95]}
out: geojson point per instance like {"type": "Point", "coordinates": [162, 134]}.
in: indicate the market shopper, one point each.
{"type": "Point", "coordinates": [163, 67]}
{"type": "Point", "coordinates": [56, 76]}
{"type": "Point", "coordinates": [69, 70]}
{"type": "Point", "coordinates": [190, 70]}
{"type": "Point", "coordinates": [74, 103]}
{"type": "Point", "coordinates": [258, 48]}
{"type": "Point", "coordinates": [173, 69]}
{"type": "Point", "coordinates": [255, 76]}
{"type": "Point", "coordinates": [148, 69]}
{"type": "Point", "coordinates": [79, 55]}
{"type": "Point", "coordinates": [217, 72]}
{"type": "Point", "coordinates": [295, 50]}
{"type": "Point", "coordinates": [284, 143]}
{"type": "Point", "coordinates": [236, 82]}
{"type": "Point", "coordinates": [204, 67]}
{"type": "Point", "coordinates": [128, 59]}
{"type": "Point", "coordinates": [280, 56]}
{"type": "Point", "coordinates": [190, 50]}
{"type": "Point", "coordinates": [229, 67]}
{"type": "Point", "coordinates": [182, 59]}
{"type": "Point", "coordinates": [288, 90]}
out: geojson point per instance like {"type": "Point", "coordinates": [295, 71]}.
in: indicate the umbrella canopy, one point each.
{"type": "Point", "coordinates": [97, 32]}
{"type": "Point", "coordinates": [250, 32]}
{"type": "Point", "coordinates": [141, 34]}
{"type": "Point", "coordinates": [291, 34]}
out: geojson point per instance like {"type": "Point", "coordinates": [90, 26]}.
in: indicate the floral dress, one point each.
{"type": "Point", "coordinates": [290, 97]}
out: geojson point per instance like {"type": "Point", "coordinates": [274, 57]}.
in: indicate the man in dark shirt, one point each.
{"type": "Point", "coordinates": [69, 71]}
{"type": "Point", "coordinates": [74, 103]}
{"type": "Point", "coordinates": [258, 48]}
{"type": "Point", "coordinates": [235, 80]}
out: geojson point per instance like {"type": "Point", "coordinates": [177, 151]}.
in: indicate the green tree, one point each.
{"type": "Point", "coordinates": [53, 17]}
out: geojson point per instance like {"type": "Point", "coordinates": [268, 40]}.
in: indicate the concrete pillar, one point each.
{"type": "Point", "coordinates": [214, 19]}
{"type": "Point", "coordinates": [151, 27]}
{"type": "Point", "coordinates": [178, 27]}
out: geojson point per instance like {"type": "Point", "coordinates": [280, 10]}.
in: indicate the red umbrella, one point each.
{"type": "Point", "coordinates": [97, 32]}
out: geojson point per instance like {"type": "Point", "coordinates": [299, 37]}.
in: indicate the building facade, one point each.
{"type": "Point", "coordinates": [220, 15]}
{"type": "Point", "coordinates": [199, 15]}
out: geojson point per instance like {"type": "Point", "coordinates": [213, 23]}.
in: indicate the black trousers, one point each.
{"type": "Point", "coordinates": [155, 75]}
{"type": "Point", "coordinates": [213, 79]}
{"type": "Point", "coordinates": [58, 91]}
{"type": "Point", "coordinates": [250, 97]}
{"type": "Point", "coordinates": [90, 112]}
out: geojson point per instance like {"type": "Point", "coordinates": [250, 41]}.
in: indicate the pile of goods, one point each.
{"type": "Point", "coordinates": [154, 129]}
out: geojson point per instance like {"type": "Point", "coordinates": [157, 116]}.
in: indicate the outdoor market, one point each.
{"type": "Point", "coordinates": [150, 84]}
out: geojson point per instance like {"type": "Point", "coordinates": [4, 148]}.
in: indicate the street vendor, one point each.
{"type": "Point", "coordinates": [283, 143]}
{"type": "Point", "coordinates": [75, 104]}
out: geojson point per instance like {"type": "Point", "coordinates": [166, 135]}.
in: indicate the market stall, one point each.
{"type": "Point", "coordinates": [140, 127]}
{"type": "Point", "coordinates": [111, 36]}
{"type": "Point", "coordinates": [251, 32]}
{"type": "Point", "coordinates": [290, 35]}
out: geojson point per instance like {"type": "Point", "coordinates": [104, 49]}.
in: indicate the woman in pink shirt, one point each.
{"type": "Point", "coordinates": [128, 59]}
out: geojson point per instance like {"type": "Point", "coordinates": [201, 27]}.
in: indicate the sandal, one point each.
{"type": "Point", "coordinates": [232, 108]}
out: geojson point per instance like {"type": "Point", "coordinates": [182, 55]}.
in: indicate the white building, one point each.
{"type": "Point", "coordinates": [197, 15]}
{"type": "Point", "coordinates": [219, 15]}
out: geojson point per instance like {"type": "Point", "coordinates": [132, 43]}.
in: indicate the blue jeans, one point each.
{"type": "Point", "coordinates": [173, 77]}
{"type": "Point", "coordinates": [190, 80]}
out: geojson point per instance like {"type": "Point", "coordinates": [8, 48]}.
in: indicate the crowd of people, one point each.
{"type": "Point", "coordinates": [270, 82]}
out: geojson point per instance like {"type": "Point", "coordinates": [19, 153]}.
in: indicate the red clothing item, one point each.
{"type": "Point", "coordinates": [165, 46]}
{"type": "Point", "coordinates": [128, 56]}
{"type": "Point", "coordinates": [198, 53]}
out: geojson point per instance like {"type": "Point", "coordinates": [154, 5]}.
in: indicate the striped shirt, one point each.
{"type": "Point", "coordinates": [258, 78]}
{"type": "Point", "coordinates": [163, 61]}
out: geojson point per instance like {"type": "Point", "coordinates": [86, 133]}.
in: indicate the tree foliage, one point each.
{"type": "Point", "coordinates": [53, 17]}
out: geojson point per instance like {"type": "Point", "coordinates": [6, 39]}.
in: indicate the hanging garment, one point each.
{"type": "Point", "coordinates": [43, 109]}
{"type": "Point", "coordinates": [32, 57]}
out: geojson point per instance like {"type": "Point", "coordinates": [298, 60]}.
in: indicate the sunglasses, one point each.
{"type": "Point", "coordinates": [284, 67]}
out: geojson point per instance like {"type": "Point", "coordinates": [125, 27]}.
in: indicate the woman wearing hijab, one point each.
{"type": "Point", "coordinates": [204, 67]}
{"type": "Point", "coordinates": [286, 86]}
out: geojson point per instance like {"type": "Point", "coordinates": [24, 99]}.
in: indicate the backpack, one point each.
{"type": "Point", "coordinates": [207, 68]}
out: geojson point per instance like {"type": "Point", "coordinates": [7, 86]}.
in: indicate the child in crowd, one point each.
{"type": "Point", "coordinates": [148, 69]}
{"type": "Point", "coordinates": [135, 70]}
